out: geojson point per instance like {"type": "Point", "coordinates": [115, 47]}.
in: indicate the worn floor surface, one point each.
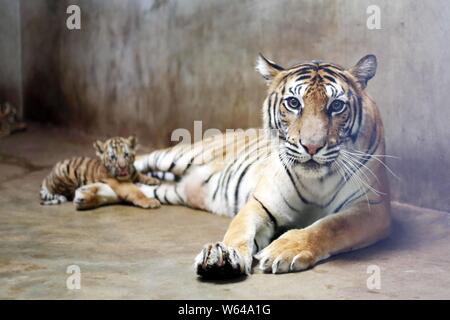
{"type": "Point", "coordinates": [130, 253]}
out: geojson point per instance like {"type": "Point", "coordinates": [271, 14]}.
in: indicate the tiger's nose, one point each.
{"type": "Point", "coordinates": [122, 164]}
{"type": "Point", "coordinates": [312, 149]}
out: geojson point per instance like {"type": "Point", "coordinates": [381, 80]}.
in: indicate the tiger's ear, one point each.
{"type": "Point", "coordinates": [99, 147]}
{"type": "Point", "coordinates": [132, 142]}
{"type": "Point", "coordinates": [365, 69]}
{"type": "Point", "coordinates": [268, 69]}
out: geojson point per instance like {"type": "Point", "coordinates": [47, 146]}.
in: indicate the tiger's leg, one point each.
{"type": "Point", "coordinates": [94, 195]}
{"type": "Point", "coordinates": [129, 192]}
{"type": "Point", "coordinates": [99, 194]}
{"type": "Point", "coordinates": [249, 231]}
{"type": "Point", "coordinates": [190, 190]}
{"type": "Point", "coordinates": [353, 228]}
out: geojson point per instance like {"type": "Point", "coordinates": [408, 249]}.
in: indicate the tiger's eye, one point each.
{"type": "Point", "coordinates": [293, 103]}
{"type": "Point", "coordinates": [337, 106]}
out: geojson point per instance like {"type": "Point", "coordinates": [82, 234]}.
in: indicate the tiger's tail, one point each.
{"type": "Point", "coordinates": [163, 164]}
{"type": "Point", "coordinates": [162, 175]}
{"type": "Point", "coordinates": [172, 163]}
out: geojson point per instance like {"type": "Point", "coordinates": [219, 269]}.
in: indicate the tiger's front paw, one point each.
{"type": "Point", "coordinates": [291, 252]}
{"type": "Point", "coordinates": [85, 198]}
{"type": "Point", "coordinates": [216, 260]}
{"type": "Point", "coordinates": [147, 203]}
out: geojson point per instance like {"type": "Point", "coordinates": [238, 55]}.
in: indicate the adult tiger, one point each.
{"type": "Point", "coordinates": [315, 178]}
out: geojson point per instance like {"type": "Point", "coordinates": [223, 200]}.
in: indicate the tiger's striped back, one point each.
{"type": "Point", "coordinates": [68, 175]}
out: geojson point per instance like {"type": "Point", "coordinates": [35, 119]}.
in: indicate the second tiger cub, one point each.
{"type": "Point", "coordinates": [115, 168]}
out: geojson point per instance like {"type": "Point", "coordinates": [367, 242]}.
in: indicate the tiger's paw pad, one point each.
{"type": "Point", "coordinates": [216, 260]}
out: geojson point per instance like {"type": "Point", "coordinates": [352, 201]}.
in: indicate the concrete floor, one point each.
{"type": "Point", "coordinates": [130, 253]}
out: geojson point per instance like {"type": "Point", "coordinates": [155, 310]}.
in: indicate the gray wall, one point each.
{"type": "Point", "coordinates": [152, 66]}
{"type": "Point", "coordinates": [10, 55]}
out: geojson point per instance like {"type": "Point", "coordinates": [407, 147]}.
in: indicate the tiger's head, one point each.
{"type": "Point", "coordinates": [117, 155]}
{"type": "Point", "coordinates": [315, 109]}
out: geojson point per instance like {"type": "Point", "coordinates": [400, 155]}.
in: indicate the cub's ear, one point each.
{"type": "Point", "coordinates": [132, 141]}
{"type": "Point", "coordinates": [99, 147]}
{"type": "Point", "coordinates": [365, 69]}
{"type": "Point", "coordinates": [268, 69]}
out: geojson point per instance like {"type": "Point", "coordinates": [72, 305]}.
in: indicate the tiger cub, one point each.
{"type": "Point", "coordinates": [115, 168]}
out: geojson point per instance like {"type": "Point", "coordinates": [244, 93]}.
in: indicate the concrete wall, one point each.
{"type": "Point", "coordinates": [10, 56]}
{"type": "Point", "coordinates": [42, 23]}
{"type": "Point", "coordinates": [153, 66]}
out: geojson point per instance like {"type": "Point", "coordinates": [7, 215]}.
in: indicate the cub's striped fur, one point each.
{"type": "Point", "coordinates": [114, 167]}
{"type": "Point", "coordinates": [313, 185]}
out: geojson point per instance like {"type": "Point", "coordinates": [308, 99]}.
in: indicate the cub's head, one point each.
{"type": "Point", "coordinates": [117, 155]}
{"type": "Point", "coordinates": [315, 108]}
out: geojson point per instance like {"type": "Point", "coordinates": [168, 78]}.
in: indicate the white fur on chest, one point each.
{"type": "Point", "coordinates": [303, 202]}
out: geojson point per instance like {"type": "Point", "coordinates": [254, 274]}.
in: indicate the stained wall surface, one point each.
{"type": "Point", "coordinates": [10, 55]}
